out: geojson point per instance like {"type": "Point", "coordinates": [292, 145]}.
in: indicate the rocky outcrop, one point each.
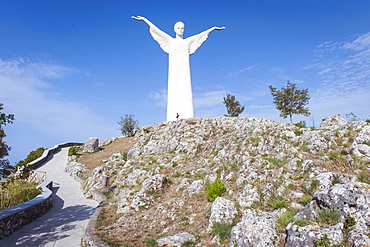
{"type": "Point", "coordinates": [223, 211]}
{"type": "Point", "coordinates": [347, 205]}
{"type": "Point", "coordinates": [269, 170]}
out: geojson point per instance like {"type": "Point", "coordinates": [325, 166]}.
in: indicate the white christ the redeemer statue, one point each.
{"type": "Point", "coordinates": [179, 93]}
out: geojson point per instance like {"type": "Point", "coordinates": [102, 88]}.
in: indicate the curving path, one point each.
{"type": "Point", "coordinates": [64, 224]}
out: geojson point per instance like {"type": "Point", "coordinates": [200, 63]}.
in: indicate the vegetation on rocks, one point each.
{"type": "Point", "coordinates": [16, 192]}
{"type": "Point", "coordinates": [278, 182]}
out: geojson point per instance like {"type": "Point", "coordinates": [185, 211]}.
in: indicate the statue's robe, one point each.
{"type": "Point", "coordinates": [179, 93]}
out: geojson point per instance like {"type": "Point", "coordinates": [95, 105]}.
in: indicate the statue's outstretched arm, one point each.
{"type": "Point", "coordinates": [197, 40]}
{"type": "Point", "coordinates": [158, 35]}
{"type": "Point", "coordinates": [142, 18]}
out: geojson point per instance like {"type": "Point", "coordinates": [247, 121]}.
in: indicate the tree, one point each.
{"type": "Point", "coordinates": [290, 100]}
{"type": "Point", "coordinates": [351, 117]}
{"type": "Point", "coordinates": [128, 124]}
{"type": "Point", "coordinates": [5, 167]}
{"type": "Point", "coordinates": [232, 106]}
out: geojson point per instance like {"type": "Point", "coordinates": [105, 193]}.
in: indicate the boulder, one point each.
{"type": "Point", "coordinates": [307, 235]}
{"type": "Point", "coordinates": [176, 240]}
{"type": "Point", "coordinates": [350, 200]}
{"type": "Point", "coordinates": [255, 229]}
{"type": "Point", "coordinates": [154, 183]}
{"type": "Point", "coordinates": [91, 145]}
{"type": "Point", "coordinates": [223, 211]}
{"type": "Point", "coordinates": [196, 187]}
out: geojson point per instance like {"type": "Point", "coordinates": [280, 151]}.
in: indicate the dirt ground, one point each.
{"type": "Point", "coordinates": [93, 160]}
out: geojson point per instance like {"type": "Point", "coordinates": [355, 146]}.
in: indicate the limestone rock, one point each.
{"type": "Point", "coordinates": [223, 211]}
{"type": "Point", "coordinates": [255, 229]}
{"type": "Point", "coordinates": [248, 195]}
{"type": "Point", "coordinates": [333, 123]}
{"type": "Point", "coordinates": [307, 235]}
{"type": "Point", "coordinates": [107, 141]}
{"type": "Point", "coordinates": [154, 183]}
{"type": "Point", "coordinates": [176, 240]}
{"type": "Point", "coordinates": [350, 200]}
{"type": "Point", "coordinates": [140, 200]}
{"type": "Point", "coordinates": [91, 145]}
{"type": "Point", "coordinates": [196, 187]}
{"type": "Point", "coordinates": [138, 175]}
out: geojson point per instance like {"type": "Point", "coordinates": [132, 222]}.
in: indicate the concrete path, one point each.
{"type": "Point", "coordinates": [63, 225]}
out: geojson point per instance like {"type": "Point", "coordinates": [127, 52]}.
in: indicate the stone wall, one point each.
{"type": "Point", "coordinates": [49, 152]}
{"type": "Point", "coordinates": [13, 218]}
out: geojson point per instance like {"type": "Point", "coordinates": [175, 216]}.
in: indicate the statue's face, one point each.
{"type": "Point", "coordinates": [179, 28]}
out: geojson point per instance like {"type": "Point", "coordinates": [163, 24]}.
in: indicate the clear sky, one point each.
{"type": "Point", "coordinates": [70, 68]}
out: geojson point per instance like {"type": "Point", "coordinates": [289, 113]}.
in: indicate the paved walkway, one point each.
{"type": "Point", "coordinates": [63, 225]}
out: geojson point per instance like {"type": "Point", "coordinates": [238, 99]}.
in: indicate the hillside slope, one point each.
{"type": "Point", "coordinates": [163, 190]}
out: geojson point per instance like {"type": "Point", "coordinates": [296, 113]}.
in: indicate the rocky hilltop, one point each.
{"type": "Point", "coordinates": [233, 182]}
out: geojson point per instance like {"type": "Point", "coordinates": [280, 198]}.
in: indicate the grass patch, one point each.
{"type": "Point", "coordinates": [222, 230]}
{"type": "Point", "coordinates": [277, 202]}
{"type": "Point", "coordinates": [305, 200]}
{"type": "Point", "coordinates": [327, 217]}
{"type": "Point", "coordinates": [364, 177]}
{"type": "Point", "coordinates": [285, 219]}
{"type": "Point", "coordinates": [312, 188]}
{"type": "Point", "coordinates": [151, 242]}
{"type": "Point", "coordinates": [302, 222]}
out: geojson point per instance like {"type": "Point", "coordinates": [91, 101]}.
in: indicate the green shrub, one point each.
{"type": "Point", "coordinates": [124, 156]}
{"type": "Point", "coordinates": [31, 156]}
{"type": "Point", "coordinates": [323, 242]}
{"type": "Point", "coordinates": [349, 221]}
{"type": "Point", "coordinates": [301, 124]}
{"type": "Point", "coordinates": [189, 244]}
{"type": "Point", "coordinates": [151, 242]}
{"type": "Point", "coordinates": [72, 150]}
{"type": "Point", "coordinates": [215, 189]}
{"type": "Point", "coordinates": [222, 230]}
{"type": "Point", "coordinates": [17, 192]}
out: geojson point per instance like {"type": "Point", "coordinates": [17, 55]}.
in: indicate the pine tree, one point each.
{"type": "Point", "coordinates": [232, 106]}
{"type": "Point", "coordinates": [128, 124]}
{"type": "Point", "coordinates": [290, 100]}
{"type": "Point", "coordinates": [5, 167]}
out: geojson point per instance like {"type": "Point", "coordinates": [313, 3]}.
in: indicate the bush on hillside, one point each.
{"type": "Point", "coordinates": [215, 189]}
{"type": "Point", "coordinates": [31, 156]}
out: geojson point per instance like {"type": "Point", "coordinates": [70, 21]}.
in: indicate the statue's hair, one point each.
{"type": "Point", "coordinates": [178, 23]}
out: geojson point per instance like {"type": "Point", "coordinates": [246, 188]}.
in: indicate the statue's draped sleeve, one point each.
{"type": "Point", "coordinates": [197, 40]}
{"type": "Point", "coordinates": [163, 39]}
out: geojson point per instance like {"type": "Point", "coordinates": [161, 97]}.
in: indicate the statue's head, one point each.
{"type": "Point", "coordinates": [179, 28]}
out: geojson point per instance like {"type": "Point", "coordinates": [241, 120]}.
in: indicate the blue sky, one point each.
{"type": "Point", "coordinates": [69, 69]}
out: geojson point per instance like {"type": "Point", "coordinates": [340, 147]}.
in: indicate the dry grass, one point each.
{"type": "Point", "coordinates": [93, 160]}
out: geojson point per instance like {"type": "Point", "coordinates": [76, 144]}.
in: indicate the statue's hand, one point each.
{"type": "Point", "coordinates": [139, 18]}
{"type": "Point", "coordinates": [219, 28]}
